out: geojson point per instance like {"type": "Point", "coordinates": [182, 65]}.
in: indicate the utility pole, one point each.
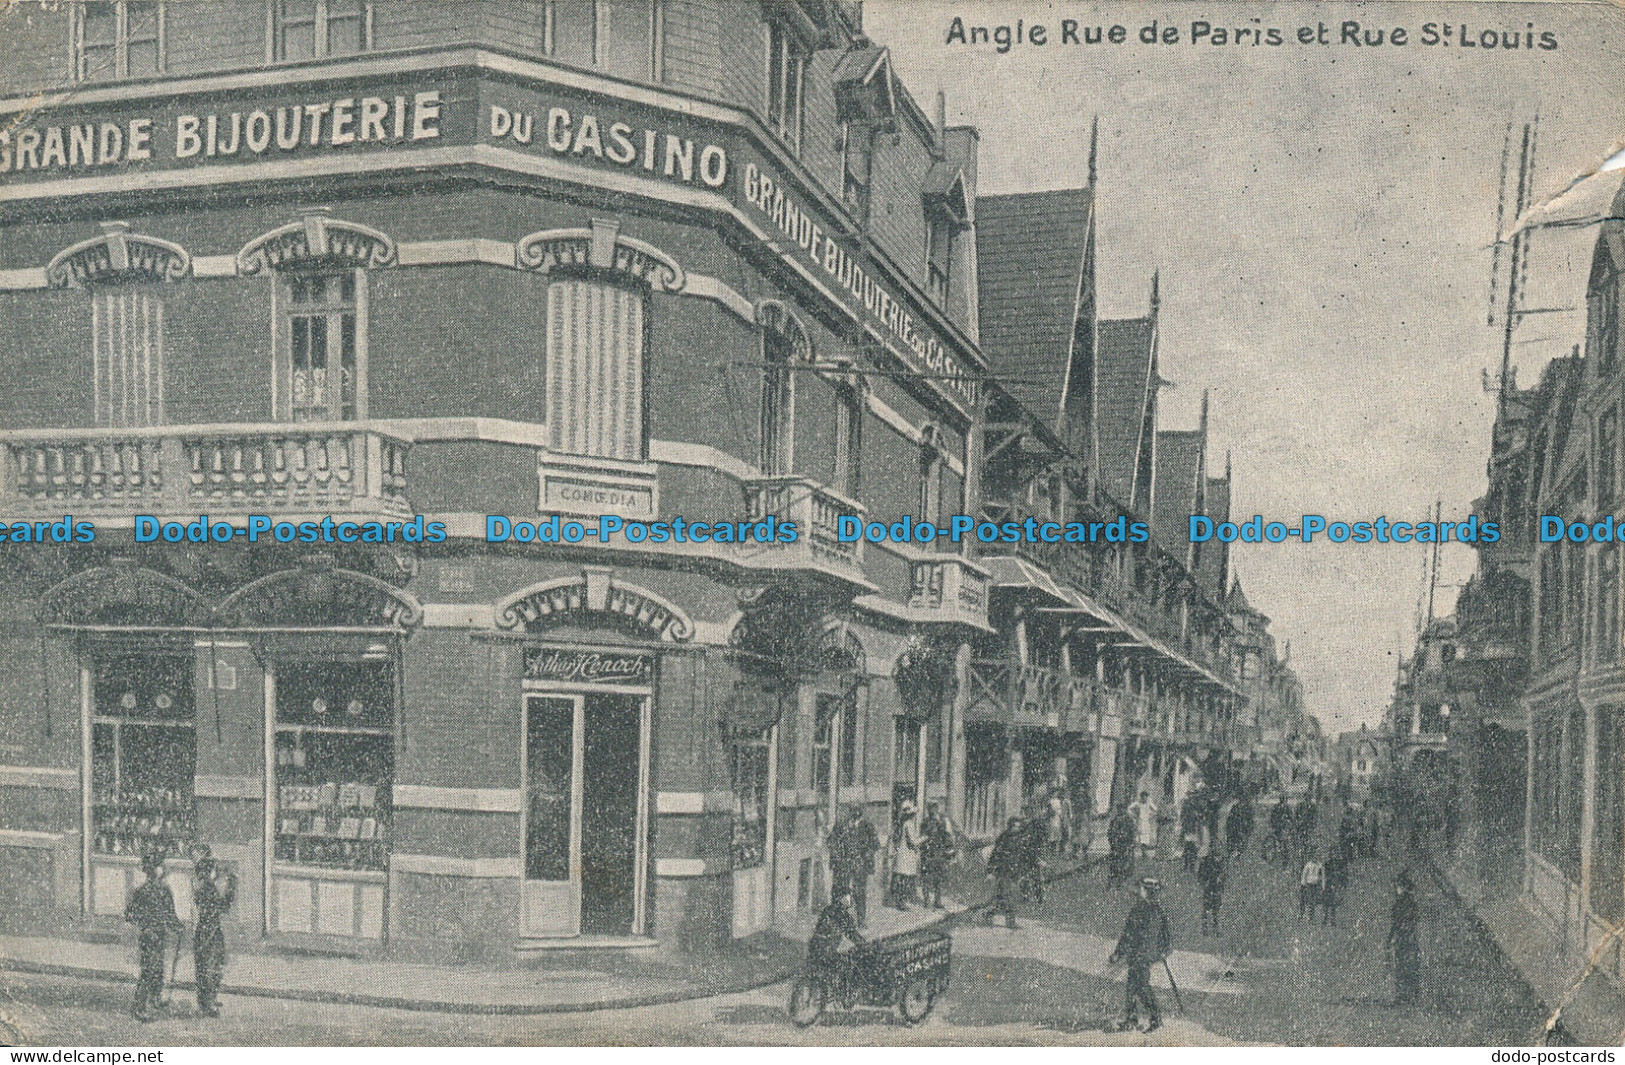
{"type": "Point", "coordinates": [1433, 569]}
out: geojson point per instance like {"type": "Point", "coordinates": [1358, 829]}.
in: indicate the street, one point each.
{"type": "Point", "coordinates": [1269, 977]}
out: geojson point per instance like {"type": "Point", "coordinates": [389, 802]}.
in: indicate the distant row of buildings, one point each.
{"type": "Point", "coordinates": [383, 259]}
{"type": "Point", "coordinates": [1508, 721]}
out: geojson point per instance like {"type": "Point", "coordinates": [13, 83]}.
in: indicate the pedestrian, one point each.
{"type": "Point", "coordinates": [1280, 820]}
{"type": "Point", "coordinates": [1190, 827]}
{"type": "Point", "coordinates": [1055, 826]}
{"type": "Point", "coordinates": [1310, 883]}
{"type": "Point", "coordinates": [1035, 835]}
{"type": "Point", "coordinates": [151, 908]}
{"type": "Point", "coordinates": [213, 891]}
{"type": "Point", "coordinates": [905, 857]}
{"type": "Point", "coordinates": [1120, 848]}
{"type": "Point", "coordinates": [1238, 826]}
{"type": "Point", "coordinates": [1210, 874]}
{"type": "Point", "coordinates": [1337, 879]}
{"type": "Point", "coordinates": [1004, 868]}
{"type": "Point", "coordinates": [937, 852]}
{"type": "Point", "coordinates": [1405, 948]}
{"type": "Point", "coordinates": [1145, 942]}
{"type": "Point", "coordinates": [852, 848]}
{"type": "Point", "coordinates": [1144, 814]}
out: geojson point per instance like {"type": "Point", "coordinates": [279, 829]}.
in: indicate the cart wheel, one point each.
{"type": "Point", "coordinates": [807, 1000]}
{"type": "Point", "coordinates": [918, 998]}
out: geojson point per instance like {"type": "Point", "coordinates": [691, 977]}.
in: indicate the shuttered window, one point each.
{"type": "Point", "coordinates": [595, 369]}
{"type": "Point", "coordinates": [127, 357]}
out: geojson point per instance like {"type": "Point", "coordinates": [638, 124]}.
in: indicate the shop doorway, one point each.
{"type": "Point", "coordinates": [585, 814]}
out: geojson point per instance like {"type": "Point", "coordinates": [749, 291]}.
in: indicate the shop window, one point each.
{"type": "Point", "coordinates": [786, 73]}
{"type": "Point", "coordinates": [335, 764]}
{"type": "Point", "coordinates": [323, 368]}
{"type": "Point", "coordinates": [778, 403]}
{"type": "Point", "coordinates": [118, 39]}
{"type": "Point", "coordinates": [595, 353]}
{"type": "Point", "coordinates": [314, 29]}
{"type": "Point", "coordinates": [127, 356]}
{"type": "Point", "coordinates": [620, 37]}
{"type": "Point", "coordinates": [143, 754]}
{"type": "Point", "coordinates": [751, 798]}
{"type": "Point", "coordinates": [939, 254]}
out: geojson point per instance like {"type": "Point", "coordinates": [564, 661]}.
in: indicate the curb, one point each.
{"type": "Point", "coordinates": [495, 1009]}
{"type": "Point", "coordinates": [345, 998]}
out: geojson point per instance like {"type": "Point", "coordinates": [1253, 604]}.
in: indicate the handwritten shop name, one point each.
{"type": "Point", "coordinates": [326, 123]}
{"type": "Point", "coordinates": [586, 667]}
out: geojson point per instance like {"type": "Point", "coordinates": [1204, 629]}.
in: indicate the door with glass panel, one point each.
{"type": "Point", "coordinates": [550, 893]}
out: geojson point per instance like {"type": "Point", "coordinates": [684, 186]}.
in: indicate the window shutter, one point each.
{"type": "Point", "coordinates": [595, 369]}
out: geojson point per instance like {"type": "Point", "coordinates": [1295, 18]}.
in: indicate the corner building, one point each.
{"type": "Point", "coordinates": [386, 260]}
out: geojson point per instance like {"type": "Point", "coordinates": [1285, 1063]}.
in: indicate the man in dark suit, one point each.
{"type": "Point", "coordinates": [151, 908]}
{"type": "Point", "coordinates": [1145, 942]}
{"type": "Point", "coordinates": [212, 894]}
{"type": "Point", "coordinates": [852, 848]}
{"type": "Point", "coordinates": [1005, 865]}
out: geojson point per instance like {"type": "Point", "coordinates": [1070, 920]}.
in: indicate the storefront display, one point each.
{"type": "Point", "coordinates": [334, 753]}
{"type": "Point", "coordinates": [143, 754]}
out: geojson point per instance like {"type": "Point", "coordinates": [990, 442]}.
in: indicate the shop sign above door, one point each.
{"type": "Point", "coordinates": [578, 666]}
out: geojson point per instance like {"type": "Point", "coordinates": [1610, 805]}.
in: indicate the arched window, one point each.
{"type": "Point", "coordinates": [784, 344]}
{"type": "Point", "coordinates": [320, 346]}
{"type": "Point", "coordinates": [930, 474]}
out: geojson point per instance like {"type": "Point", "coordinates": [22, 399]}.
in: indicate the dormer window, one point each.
{"type": "Point", "coordinates": [1606, 310]}
{"type": "Point", "coordinates": [786, 75]}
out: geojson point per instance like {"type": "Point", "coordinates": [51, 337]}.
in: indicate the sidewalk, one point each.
{"type": "Point", "coordinates": [576, 982]}
{"type": "Point", "coordinates": [1593, 1007]}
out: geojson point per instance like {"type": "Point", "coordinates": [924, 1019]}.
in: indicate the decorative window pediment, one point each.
{"type": "Point", "coordinates": [124, 594]}
{"type": "Point", "coordinates": [601, 247]}
{"type": "Point", "coordinates": [775, 317]}
{"type": "Point", "coordinates": [316, 240]}
{"type": "Point", "coordinates": [318, 594]}
{"type": "Point", "coordinates": [595, 596]}
{"type": "Point", "coordinates": [118, 255]}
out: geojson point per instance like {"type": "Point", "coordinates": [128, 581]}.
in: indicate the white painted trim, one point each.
{"type": "Point", "coordinates": [470, 868]}
{"type": "Point", "coordinates": [28, 776]}
{"type": "Point", "coordinates": [683, 867]}
{"type": "Point", "coordinates": [694, 802]}
{"type": "Point", "coordinates": [28, 277]}
{"type": "Point", "coordinates": [711, 288]}
{"type": "Point", "coordinates": [459, 616]}
{"type": "Point", "coordinates": [214, 266]}
{"type": "Point", "coordinates": [17, 837]}
{"type": "Point", "coordinates": [682, 453]}
{"type": "Point", "coordinates": [207, 787]}
{"type": "Point", "coordinates": [472, 800]}
{"type": "Point", "coordinates": [455, 252]}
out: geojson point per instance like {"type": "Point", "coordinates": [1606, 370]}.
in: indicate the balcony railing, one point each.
{"type": "Point", "coordinates": [206, 469]}
{"type": "Point", "coordinates": [1007, 691]}
{"type": "Point", "coordinates": [816, 511]}
{"type": "Point", "coordinates": [951, 586]}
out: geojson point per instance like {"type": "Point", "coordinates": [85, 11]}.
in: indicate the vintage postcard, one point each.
{"type": "Point", "coordinates": [802, 522]}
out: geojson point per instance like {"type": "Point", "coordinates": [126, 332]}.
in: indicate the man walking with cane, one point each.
{"type": "Point", "coordinates": [152, 910]}
{"type": "Point", "coordinates": [1145, 942]}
